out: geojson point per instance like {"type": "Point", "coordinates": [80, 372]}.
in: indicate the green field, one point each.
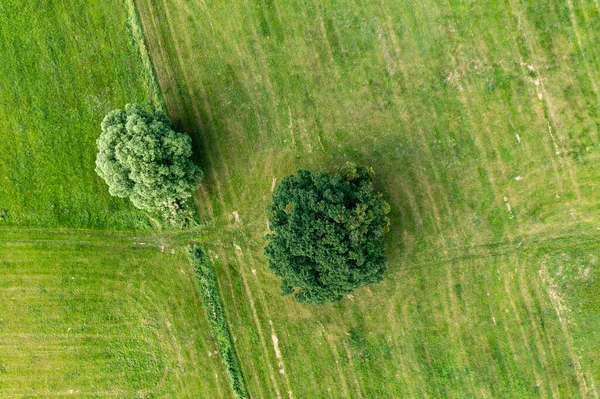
{"type": "Point", "coordinates": [481, 120]}
{"type": "Point", "coordinates": [84, 313]}
{"type": "Point", "coordinates": [64, 66]}
{"type": "Point", "coordinates": [89, 314]}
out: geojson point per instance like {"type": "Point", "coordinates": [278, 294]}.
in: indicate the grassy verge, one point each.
{"type": "Point", "coordinates": [133, 21]}
{"type": "Point", "coordinates": [209, 289]}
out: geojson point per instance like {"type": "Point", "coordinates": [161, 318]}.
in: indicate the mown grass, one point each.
{"type": "Point", "coordinates": [474, 323]}
{"type": "Point", "coordinates": [482, 121]}
{"type": "Point", "coordinates": [64, 66]}
{"type": "Point", "coordinates": [88, 314]}
{"type": "Point", "coordinates": [573, 279]}
{"type": "Point", "coordinates": [85, 313]}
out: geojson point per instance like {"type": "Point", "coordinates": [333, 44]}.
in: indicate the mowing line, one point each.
{"type": "Point", "coordinates": [264, 72]}
{"type": "Point", "coordinates": [273, 336]}
{"type": "Point", "coordinates": [580, 48]}
{"type": "Point", "coordinates": [338, 368]}
{"type": "Point", "coordinates": [423, 178]}
{"type": "Point", "coordinates": [268, 316]}
{"type": "Point", "coordinates": [454, 320]}
{"type": "Point", "coordinates": [208, 109]}
{"type": "Point", "coordinates": [165, 76]}
{"type": "Point", "coordinates": [537, 335]}
{"type": "Point", "coordinates": [429, 186]}
{"type": "Point", "coordinates": [356, 382]}
{"type": "Point", "coordinates": [209, 289]}
{"type": "Point", "coordinates": [516, 354]}
{"type": "Point", "coordinates": [258, 327]}
{"type": "Point", "coordinates": [443, 195]}
{"type": "Point", "coordinates": [235, 302]}
{"type": "Point", "coordinates": [317, 7]}
{"type": "Point", "coordinates": [247, 70]}
{"type": "Point", "coordinates": [521, 30]}
{"type": "Point", "coordinates": [166, 71]}
{"type": "Point", "coordinates": [203, 133]}
{"type": "Point", "coordinates": [530, 292]}
{"type": "Point", "coordinates": [562, 313]}
{"type": "Point", "coordinates": [546, 105]}
{"type": "Point", "coordinates": [414, 370]}
{"type": "Point", "coordinates": [539, 350]}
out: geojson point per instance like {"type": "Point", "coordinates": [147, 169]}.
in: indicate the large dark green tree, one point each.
{"type": "Point", "coordinates": [327, 232]}
{"type": "Point", "coordinates": [141, 157]}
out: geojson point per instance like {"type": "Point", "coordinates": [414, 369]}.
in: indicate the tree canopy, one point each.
{"type": "Point", "coordinates": [327, 232]}
{"type": "Point", "coordinates": [141, 157]}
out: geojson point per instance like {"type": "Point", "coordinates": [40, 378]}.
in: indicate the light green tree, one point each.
{"type": "Point", "coordinates": [141, 157]}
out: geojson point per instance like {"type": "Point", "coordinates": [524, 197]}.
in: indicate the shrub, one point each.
{"type": "Point", "coordinates": [141, 157]}
{"type": "Point", "coordinates": [327, 231]}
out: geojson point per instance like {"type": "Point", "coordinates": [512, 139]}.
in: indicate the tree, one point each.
{"type": "Point", "coordinates": [141, 157]}
{"type": "Point", "coordinates": [327, 232]}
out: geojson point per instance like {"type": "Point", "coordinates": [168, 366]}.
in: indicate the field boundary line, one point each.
{"type": "Point", "coordinates": [213, 307]}
{"type": "Point", "coordinates": [135, 26]}
{"type": "Point", "coordinates": [274, 337]}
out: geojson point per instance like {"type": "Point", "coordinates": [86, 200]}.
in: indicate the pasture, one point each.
{"type": "Point", "coordinates": [95, 314]}
{"type": "Point", "coordinates": [64, 66]}
{"type": "Point", "coordinates": [482, 121]}
{"type": "Point", "coordinates": [84, 313]}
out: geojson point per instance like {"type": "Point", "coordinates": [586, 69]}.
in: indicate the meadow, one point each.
{"type": "Point", "coordinates": [65, 65]}
{"type": "Point", "coordinates": [84, 313]}
{"type": "Point", "coordinates": [482, 121]}
{"type": "Point", "coordinates": [94, 314]}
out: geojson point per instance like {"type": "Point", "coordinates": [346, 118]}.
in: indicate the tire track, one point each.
{"type": "Point", "coordinates": [580, 47]}
{"type": "Point", "coordinates": [257, 323]}
{"type": "Point", "coordinates": [561, 312]}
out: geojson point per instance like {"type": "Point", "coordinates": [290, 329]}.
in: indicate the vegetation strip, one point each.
{"type": "Point", "coordinates": [133, 21]}
{"type": "Point", "coordinates": [209, 289]}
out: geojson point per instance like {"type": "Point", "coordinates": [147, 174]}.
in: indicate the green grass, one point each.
{"type": "Point", "coordinates": [482, 121]}
{"type": "Point", "coordinates": [88, 314]}
{"type": "Point", "coordinates": [574, 280]}
{"type": "Point", "coordinates": [64, 66]}
{"type": "Point", "coordinates": [85, 313]}
{"type": "Point", "coordinates": [211, 299]}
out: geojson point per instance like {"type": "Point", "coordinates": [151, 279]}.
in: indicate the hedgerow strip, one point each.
{"type": "Point", "coordinates": [207, 283]}
{"type": "Point", "coordinates": [133, 21]}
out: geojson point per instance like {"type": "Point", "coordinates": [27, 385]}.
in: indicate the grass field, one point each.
{"type": "Point", "coordinates": [482, 121]}
{"type": "Point", "coordinates": [88, 314]}
{"type": "Point", "coordinates": [64, 65]}
{"type": "Point", "coordinates": [84, 313]}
